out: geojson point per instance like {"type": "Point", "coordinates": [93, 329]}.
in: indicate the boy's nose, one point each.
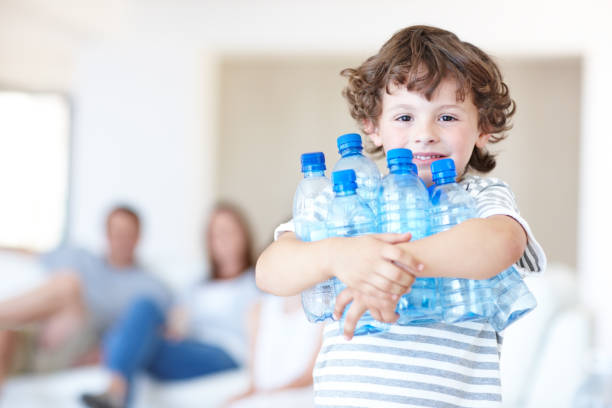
{"type": "Point", "coordinates": [425, 134]}
{"type": "Point", "coordinates": [426, 138]}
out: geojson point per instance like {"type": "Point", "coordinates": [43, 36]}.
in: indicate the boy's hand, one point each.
{"type": "Point", "coordinates": [374, 266]}
{"type": "Point", "coordinates": [381, 309]}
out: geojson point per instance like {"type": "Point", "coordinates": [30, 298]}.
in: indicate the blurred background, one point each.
{"type": "Point", "coordinates": [173, 105]}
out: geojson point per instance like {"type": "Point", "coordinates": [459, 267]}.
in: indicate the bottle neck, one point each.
{"type": "Point", "coordinates": [444, 180]}
{"type": "Point", "coordinates": [401, 168]}
{"type": "Point", "coordinates": [351, 151]}
{"type": "Point", "coordinates": [342, 191]}
{"type": "Point", "coordinates": [345, 193]}
{"type": "Point", "coordinates": [314, 173]}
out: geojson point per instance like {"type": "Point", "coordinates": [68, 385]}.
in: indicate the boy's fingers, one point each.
{"type": "Point", "coordinates": [344, 298]}
{"type": "Point", "coordinates": [382, 310]}
{"type": "Point", "coordinates": [393, 238]}
{"type": "Point", "coordinates": [414, 268]}
{"type": "Point", "coordinates": [402, 259]}
{"type": "Point", "coordinates": [385, 307]}
{"type": "Point", "coordinates": [384, 315]}
{"type": "Point", "coordinates": [385, 285]}
{"type": "Point", "coordinates": [356, 310]}
{"type": "Point", "coordinates": [406, 280]}
{"type": "Point", "coordinates": [396, 275]}
{"type": "Point", "coordinates": [374, 293]}
{"type": "Point", "coordinates": [388, 316]}
{"type": "Point", "coordinates": [376, 314]}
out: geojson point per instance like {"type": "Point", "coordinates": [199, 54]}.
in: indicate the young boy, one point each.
{"type": "Point", "coordinates": [427, 91]}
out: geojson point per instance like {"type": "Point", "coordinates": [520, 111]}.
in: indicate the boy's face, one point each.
{"type": "Point", "coordinates": [439, 128]}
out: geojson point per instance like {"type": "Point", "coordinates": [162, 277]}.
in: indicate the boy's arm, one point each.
{"type": "Point", "coordinates": [365, 263]}
{"type": "Point", "coordinates": [478, 248]}
{"type": "Point", "coordinates": [289, 265]}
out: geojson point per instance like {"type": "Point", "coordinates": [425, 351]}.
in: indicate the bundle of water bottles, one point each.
{"type": "Point", "coordinates": [359, 201]}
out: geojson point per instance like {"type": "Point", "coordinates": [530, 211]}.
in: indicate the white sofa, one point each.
{"type": "Point", "coordinates": [552, 339]}
{"type": "Point", "coordinates": [63, 389]}
{"type": "Point", "coordinates": [544, 354]}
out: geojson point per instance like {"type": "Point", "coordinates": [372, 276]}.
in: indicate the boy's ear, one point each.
{"type": "Point", "coordinates": [371, 130]}
{"type": "Point", "coordinates": [482, 140]}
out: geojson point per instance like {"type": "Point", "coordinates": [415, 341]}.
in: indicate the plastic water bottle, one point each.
{"type": "Point", "coordinates": [349, 216]}
{"type": "Point", "coordinates": [513, 298]}
{"type": "Point", "coordinates": [403, 206]}
{"type": "Point", "coordinates": [501, 299]}
{"type": "Point", "coordinates": [310, 204]}
{"type": "Point", "coordinates": [461, 299]}
{"type": "Point", "coordinates": [368, 176]}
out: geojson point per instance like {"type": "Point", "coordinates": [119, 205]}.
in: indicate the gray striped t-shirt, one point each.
{"type": "Point", "coordinates": [434, 365]}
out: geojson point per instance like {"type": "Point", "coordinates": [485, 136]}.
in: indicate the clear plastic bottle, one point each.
{"type": "Point", "coordinates": [310, 204]}
{"type": "Point", "coordinates": [513, 298]}
{"type": "Point", "coordinates": [501, 299]}
{"type": "Point", "coordinates": [403, 206]}
{"type": "Point", "coordinates": [350, 148]}
{"type": "Point", "coordinates": [461, 299]}
{"type": "Point", "coordinates": [350, 216]}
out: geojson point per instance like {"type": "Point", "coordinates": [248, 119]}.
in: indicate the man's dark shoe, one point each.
{"type": "Point", "coordinates": [100, 401]}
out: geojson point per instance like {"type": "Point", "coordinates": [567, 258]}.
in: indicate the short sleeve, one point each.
{"type": "Point", "coordinates": [494, 197]}
{"type": "Point", "coordinates": [286, 227]}
{"type": "Point", "coordinates": [66, 257]}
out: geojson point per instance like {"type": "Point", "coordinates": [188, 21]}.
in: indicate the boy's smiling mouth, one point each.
{"type": "Point", "coordinates": [426, 158]}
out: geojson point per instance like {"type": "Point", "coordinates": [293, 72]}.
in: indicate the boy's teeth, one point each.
{"type": "Point", "coordinates": [427, 157]}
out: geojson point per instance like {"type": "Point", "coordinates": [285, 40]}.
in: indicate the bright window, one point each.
{"type": "Point", "coordinates": [34, 163]}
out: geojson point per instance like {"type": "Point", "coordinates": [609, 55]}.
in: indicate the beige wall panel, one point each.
{"type": "Point", "coordinates": [275, 108]}
{"type": "Point", "coordinates": [540, 157]}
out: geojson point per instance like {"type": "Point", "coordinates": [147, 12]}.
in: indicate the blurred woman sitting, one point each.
{"type": "Point", "coordinates": [203, 334]}
{"type": "Point", "coordinates": [284, 348]}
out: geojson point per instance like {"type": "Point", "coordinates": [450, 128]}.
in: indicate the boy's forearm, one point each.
{"type": "Point", "coordinates": [476, 249]}
{"type": "Point", "coordinates": [289, 265]}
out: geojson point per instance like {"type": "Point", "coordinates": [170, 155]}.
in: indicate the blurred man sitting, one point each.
{"type": "Point", "coordinates": [82, 297]}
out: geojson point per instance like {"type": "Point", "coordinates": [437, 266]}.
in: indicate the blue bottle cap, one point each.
{"type": "Point", "coordinates": [349, 140]}
{"type": "Point", "coordinates": [443, 169]}
{"type": "Point", "coordinates": [344, 180]}
{"type": "Point", "coordinates": [399, 156]}
{"type": "Point", "coordinates": [313, 161]}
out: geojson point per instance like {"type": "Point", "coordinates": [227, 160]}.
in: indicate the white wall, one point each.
{"type": "Point", "coordinates": [140, 138]}
{"type": "Point", "coordinates": [144, 131]}
{"type": "Point", "coordinates": [40, 40]}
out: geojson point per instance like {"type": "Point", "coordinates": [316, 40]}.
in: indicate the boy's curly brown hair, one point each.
{"type": "Point", "coordinates": [419, 58]}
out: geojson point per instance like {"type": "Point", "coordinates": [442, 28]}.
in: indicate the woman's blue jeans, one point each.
{"type": "Point", "coordinates": [136, 344]}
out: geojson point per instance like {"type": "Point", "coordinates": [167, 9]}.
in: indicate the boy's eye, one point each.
{"type": "Point", "coordinates": [404, 118]}
{"type": "Point", "coordinates": [447, 118]}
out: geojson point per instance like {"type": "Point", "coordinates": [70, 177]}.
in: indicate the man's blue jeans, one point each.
{"type": "Point", "coordinates": [137, 344]}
